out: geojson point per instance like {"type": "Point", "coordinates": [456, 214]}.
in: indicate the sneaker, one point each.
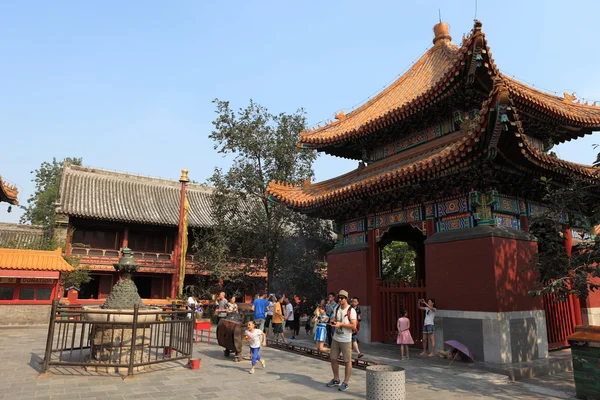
{"type": "Point", "coordinates": [293, 338]}
{"type": "Point", "coordinates": [251, 371]}
{"type": "Point", "coordinates": [360, 355]}
{"type": "Point", "coordinates": [343, 387]}
{"type": "Point", "coordinates": [263, 363]}
{"type": "Point", "coordinates": [332, 383]}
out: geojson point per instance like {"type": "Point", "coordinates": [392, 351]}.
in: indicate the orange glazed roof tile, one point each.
{"type": "Point", "coordinates": [433, 157]}
{"type": "Point", "coordinates": [581, 115]}
{"type": "Point", "coordinates": [33, 260]}
{"type": "Point", "coordinates": [438, 64]}
{"type": "Point", "coordinates": [8, 193]}
{"type": "Point", "coordinates": [436, 155]}
{"type": "Point", "coordinates": [431, 79]}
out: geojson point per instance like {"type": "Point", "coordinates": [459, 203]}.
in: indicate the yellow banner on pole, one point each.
{"type": "Point", "coordinates": [184, 244]}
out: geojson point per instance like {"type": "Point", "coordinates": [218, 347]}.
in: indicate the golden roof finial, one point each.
{"type": "Point", "coordinates": [441, 33]}
{"type": "Point", "coordinates": [184, 176]}
{"type": "Point", "coordinates": [340, 116]}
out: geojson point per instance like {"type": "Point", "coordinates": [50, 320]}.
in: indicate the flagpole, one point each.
{"type": "Point", "coordinates": [178, 251]}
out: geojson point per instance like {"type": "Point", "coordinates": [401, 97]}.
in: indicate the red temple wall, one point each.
{"type": "Point", "coordinates": [593, 299]}
{"type": "Point", "coordinates": [348, 271]}
{"type": "Point", "coordinates": [481, 274]}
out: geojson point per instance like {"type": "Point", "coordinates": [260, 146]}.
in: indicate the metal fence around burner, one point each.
{"type": "Point", "coordinates": [117, 340]}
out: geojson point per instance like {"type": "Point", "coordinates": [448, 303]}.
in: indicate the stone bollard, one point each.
{"type": "Point", "coordinates": [385, 382]}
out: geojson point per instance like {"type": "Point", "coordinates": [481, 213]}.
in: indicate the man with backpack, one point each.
{"type": "Point", "coordinates": [344, 323]}
{"type": "Point", "coordinates": [354, 304]}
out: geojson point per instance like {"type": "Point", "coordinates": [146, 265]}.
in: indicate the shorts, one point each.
{"type": "Point", "coordinates": [354, 339]}
{"type": "Point", "coordinates": [428, 330]}
{"type": "Point", "coordinates": [259, 322]}
{"type": "Point", "coordinates": [277, 328]}
{"type": "Point", "coordinates": [268, 321]}
{"type": "Point", "coordinates": [290, 324]}
{"type": "Point", "coordinates": [341, 347]}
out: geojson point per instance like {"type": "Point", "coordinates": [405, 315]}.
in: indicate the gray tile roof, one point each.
{"type": "Point", "coordinates": [122, 197]}
{"type": "Point", "coordinates": [21, 236]}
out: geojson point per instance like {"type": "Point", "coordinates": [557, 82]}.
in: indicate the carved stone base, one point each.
{"type": "Point", "coordinates": [112, 343]}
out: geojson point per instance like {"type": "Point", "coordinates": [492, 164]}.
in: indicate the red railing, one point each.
{"type": "Point", "coordinates": [150, 259]}
{"type": "Point", "coordinates": [560, 320]}
{"type": "Point", "coordinates": [108, 256]}
{"type": "Point", "coordinates": [96, 256]}
{"type": "Point", "coordinates": [195, 259]}
{"type": "Point", "coordinates": [395, 297]}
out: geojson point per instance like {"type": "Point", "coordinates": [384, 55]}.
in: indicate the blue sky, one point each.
{"type": "Point", "coordinates": [128, 85]}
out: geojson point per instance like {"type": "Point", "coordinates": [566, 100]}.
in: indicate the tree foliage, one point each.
{"type": "Point", "coordinates": [300, 269]}
{"type": "Point", "coordinates": [559, 274]}
{"type": "Point", "coordinates": [77, 277]}
{"type": "Point", "coordinates": [264, 149]}
{"type": "Point", "coordinates": [398, 262]}
{"type": "Point", "coordinates": [40, 206]}
{"type": "Point", "coordinates": [40, 210]}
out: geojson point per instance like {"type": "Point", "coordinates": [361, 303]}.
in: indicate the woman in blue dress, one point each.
{"type": "Point", "coordinates": [320, 320]}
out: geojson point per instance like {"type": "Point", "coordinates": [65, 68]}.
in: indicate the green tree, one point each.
{"type": "Point", "coordinates": [398, 262]}
{"type": "Point", "coordinates": [40, 206]}
{"type": "Point", "coordinates": [559, 274]}
{"type": "Point", "coordinates": [40, 211]}
{"type": "Point", "coordinates": [300, 269]}
{"type": "Point", "coordinates": [77, 277]}
{"type": "Point", "coordinates": [264, 149]}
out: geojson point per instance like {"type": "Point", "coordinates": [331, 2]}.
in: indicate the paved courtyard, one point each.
{"type": "Point", "coordinates": [287, 377]}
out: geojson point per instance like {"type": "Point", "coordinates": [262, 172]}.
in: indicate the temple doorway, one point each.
{"type": "Point", "coordinates": [401, 279]}
{"type": "Point", "coordinates": [402, 257]}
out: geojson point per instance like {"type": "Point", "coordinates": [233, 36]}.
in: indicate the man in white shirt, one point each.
{"type": "Point", "coordinates": [289, 317]}
{"type": "Point", "coordinates": [344, 322]}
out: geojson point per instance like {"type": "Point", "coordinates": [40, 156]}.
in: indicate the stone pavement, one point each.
{"type": "Point", "coordinates": [288, 377]}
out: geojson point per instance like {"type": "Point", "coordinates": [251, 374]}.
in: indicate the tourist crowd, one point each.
{"type": "Point", "coordinates": [333, 324]}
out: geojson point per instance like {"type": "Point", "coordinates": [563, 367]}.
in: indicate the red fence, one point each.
{"type": "Point", "coordinates": [395, 297]}
{"type": "Point", "coordinates": [560, 320]}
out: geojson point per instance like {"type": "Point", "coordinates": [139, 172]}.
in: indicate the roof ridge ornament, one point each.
{"type": "Point", "coordinates": [340, 116]}
{"type": "Point", "coordinates": [569, 97]}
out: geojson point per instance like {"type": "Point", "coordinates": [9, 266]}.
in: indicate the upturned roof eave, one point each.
{"type": "Point", "coordinates": [583, 118]}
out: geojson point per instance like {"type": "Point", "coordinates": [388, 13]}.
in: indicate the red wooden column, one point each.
{"type": "Point", "coordinates": [125, 241]}
{"type": "Point", "coordinates": [524, 220]}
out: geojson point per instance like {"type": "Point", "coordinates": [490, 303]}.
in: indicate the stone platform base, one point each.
{"type": "Point", "coordinates": [498, 338]}
{"type": "Point", "coordinates": [557, 362]}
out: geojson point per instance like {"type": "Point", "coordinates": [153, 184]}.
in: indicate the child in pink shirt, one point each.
{"type": "Point", "coordinates": [404, 336]}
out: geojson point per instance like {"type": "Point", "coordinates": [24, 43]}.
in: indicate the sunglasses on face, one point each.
{"type": "Point", "coordinates": [341, 297]}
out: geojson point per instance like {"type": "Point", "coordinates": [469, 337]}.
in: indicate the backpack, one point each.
{"type": "Point", "coordinates": [354, 331]}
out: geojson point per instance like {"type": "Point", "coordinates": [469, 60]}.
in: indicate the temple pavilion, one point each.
{"type": "Point", "coordinates": [448, 159]}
